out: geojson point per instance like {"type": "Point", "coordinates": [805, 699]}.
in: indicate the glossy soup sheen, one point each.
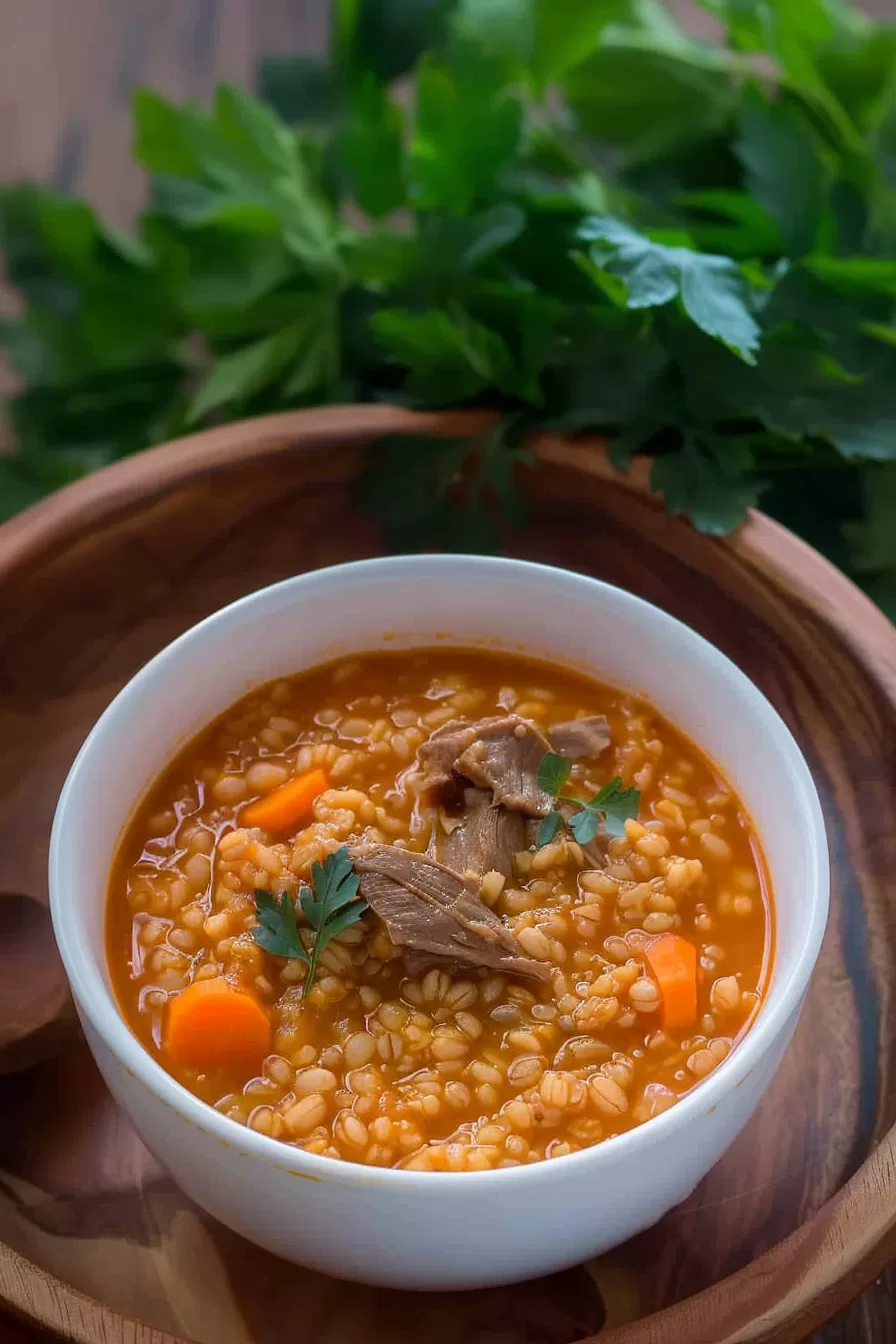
{"type": "Point", "coordinates": [440, 1067]}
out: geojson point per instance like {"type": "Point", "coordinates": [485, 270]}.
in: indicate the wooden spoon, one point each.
{"type": "Point", "coordinates": [36, 1009]}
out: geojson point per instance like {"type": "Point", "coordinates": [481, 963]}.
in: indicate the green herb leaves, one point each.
{"type": "Point", "coordinates": [553, 772]}
{"type": "Point", "coordinates": [467, 131]}
{"type": "Point", "coordinates": [329, 905]}
{"type": "Point", "coordinates": [570, 212]}
{"type": "Point", "coordinates": [544, 38]}
{"type": "Point", "coordinates": [704, 480]}
{"type": "Point", "coordinates": [277, 931]}
{"type": "Point", "coordinates": [612, 804]}
{"type": "Point", "coordinates": [713, 291]}
{"type": "Point", "coordinates": [783, 170]}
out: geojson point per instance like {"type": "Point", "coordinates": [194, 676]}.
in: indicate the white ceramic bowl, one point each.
{"type": "Point", "coordinates": [407, 1228]}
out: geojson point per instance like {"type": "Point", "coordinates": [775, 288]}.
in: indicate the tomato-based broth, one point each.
{"type": "Point", "coordinates": [439, 909]}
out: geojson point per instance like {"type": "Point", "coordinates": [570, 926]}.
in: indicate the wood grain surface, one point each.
{"type": "Point", "coordinates": [801, 1211]}
{"type": "Point", "coordinates": [67, 69]}
{"type": "Point", "coordinates": [36, 1009]}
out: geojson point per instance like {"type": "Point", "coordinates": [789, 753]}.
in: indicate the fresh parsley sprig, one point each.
{"type": "Point", "coordinates": [612, 803]}
{"type": "Point", "coordinates": [276, 930]}
{"type": "Point", "coordinates": [330, 905]}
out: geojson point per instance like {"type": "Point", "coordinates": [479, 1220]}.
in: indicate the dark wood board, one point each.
{"type": "Point", "coordinates": [98, 578]}
{"type": "Point", "coordinates": [67, 69]}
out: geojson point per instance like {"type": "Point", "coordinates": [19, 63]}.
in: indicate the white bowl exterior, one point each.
{"type": "Point", "coordinates": [450, 1238]}
{"type": "Point", "coordinates": [425, 1229]}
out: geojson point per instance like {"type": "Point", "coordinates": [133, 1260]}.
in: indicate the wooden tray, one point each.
{"type": "Point", "coordinates": [800, 1213]}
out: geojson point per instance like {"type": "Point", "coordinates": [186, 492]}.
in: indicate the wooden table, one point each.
{"type": "Point", "coordinates": [67, 71]}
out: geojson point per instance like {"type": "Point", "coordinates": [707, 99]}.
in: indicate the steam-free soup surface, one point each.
{"type": "Point", "coordinates": [593, 984]}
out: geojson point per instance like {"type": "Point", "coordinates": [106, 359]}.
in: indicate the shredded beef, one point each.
{"type": "Point", "coordinates": [428, 908]}
{"type": "Point", "coordinates": [486, 838]}
{"type": "Point", "coordinates": [581, 739]}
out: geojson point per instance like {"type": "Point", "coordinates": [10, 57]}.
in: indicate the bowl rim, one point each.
{"type": "Point", "coordinates": [97, 1001]}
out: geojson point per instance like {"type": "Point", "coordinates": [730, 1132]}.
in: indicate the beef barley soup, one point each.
{"type": "Point", "coordinates": [442, 910]}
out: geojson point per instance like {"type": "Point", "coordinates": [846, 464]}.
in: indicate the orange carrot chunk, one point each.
{"type": "Point", "coordinates": [286, 807]}
{"type": "Point", "coordinates": [212, 1025]}
{"type": "Point", "coordinates": [672, 961]}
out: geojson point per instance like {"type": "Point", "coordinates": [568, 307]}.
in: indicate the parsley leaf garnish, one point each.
{"type": "Point", "coordinates": [612, 804]}
{"type": "Point", "coordinates": [330, 905]}
{"type": "Point", "coordinates": [277, 931]}
{"type": "Point", "coordinates": [617, 804]}
{"type": "Point", "coordinates": [553, 772]}
{"type": "Point", "coordinates": [549, 827]}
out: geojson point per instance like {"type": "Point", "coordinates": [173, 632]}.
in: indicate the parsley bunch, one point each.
{"type": "Point", "coordinates": [612, 804]}
{"type": "Point", "coordinates": [567, 210]}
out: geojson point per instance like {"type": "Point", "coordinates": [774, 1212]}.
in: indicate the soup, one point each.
{"type": "Point", "coordinates": [443, 910]}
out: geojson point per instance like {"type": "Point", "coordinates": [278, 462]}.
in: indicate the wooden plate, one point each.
{"type": "Point", "coordinates": [800, 1213]}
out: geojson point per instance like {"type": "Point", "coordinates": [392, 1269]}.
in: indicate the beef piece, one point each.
{"type": "Point", "coordinates": [501, 754]}
{"type": "Point", "coordinates": [428, 908]}
{"type": "Point", "coordinates": [418, 963]}
{"type": "Point", "coordinates": [504, 757]}
{"type": "Point", "coordinates": [486, 839]}
{"type": "Point", "coordinates": [437, 756]}
{"type": "Point", "coordinates": [581, 739]}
